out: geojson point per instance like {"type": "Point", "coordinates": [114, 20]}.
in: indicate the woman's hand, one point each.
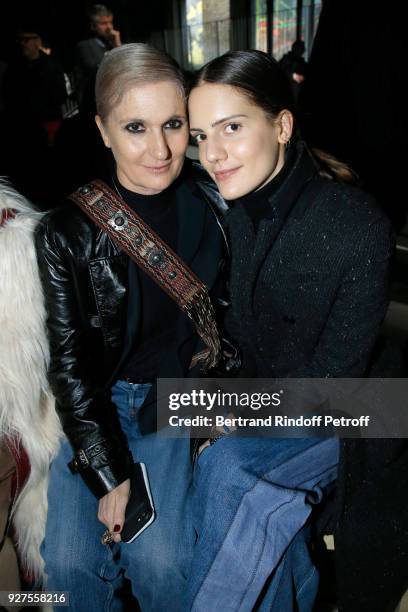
{"type": "Point", "coordinates": [112, 508]}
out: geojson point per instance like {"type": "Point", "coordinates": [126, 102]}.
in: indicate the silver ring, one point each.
{"type": "Point", "coordinates": [107, 537]}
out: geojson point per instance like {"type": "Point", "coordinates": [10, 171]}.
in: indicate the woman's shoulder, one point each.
{"type": "Point", "coordinates": [353, 221]}
{"type": "Point", "coordinates": [66, 219]}
{"type": "Point", "coordinates": [65, 226]}
{"type": "Point", "coordinates": [355, 206]}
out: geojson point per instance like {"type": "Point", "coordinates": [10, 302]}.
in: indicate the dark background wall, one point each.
{"type": "Point", "coordinates": [355, 94]}
{"type": "Point", "coordinates": [63, 23]}
{"type": "Point", "coordinates": [355, 98]}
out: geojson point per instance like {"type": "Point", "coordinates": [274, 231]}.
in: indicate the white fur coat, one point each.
{"type": "Point", "coordinates": [26, 404]}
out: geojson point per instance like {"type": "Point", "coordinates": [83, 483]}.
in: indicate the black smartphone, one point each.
{"type": "Point", "coordinates": [140, 509]}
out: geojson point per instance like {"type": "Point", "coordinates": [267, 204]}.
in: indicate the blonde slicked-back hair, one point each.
{"type": "Point", "coordinates": [129, 66]}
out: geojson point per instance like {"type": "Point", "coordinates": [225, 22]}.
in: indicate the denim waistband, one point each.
{"type": "Point", "coordinates": [128, 385]}
{"type": "Point", "coordinates": [139, 381]}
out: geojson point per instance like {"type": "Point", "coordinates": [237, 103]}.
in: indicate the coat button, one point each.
{"type": "Point", "coordinates": [223, 302]}
{"type": "Point", "coordinates": [138, 240]}
{"type": "Point", "coordinates": [85, 189]}
{"type": "Point", "coordinates": [172, 274]}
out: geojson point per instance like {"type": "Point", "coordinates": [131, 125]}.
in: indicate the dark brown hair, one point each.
{"type": "Point", "coordinates": [260, 78]}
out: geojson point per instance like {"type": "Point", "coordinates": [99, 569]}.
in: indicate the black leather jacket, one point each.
{"type": "Point", "coordinates": [85, 280]}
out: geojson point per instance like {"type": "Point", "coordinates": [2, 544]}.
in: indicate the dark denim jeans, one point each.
{"type": "Point", "coordinates": [250, 500]}
{"type": "Point", "coordinates": [157, 561]}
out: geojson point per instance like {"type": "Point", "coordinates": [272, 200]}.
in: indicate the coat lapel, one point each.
{"type": "Point", "coordinates": [284, 203]}
{"type": "Point", "coordinates": [249, 250]}
{"type": "Point", "coordinates": [242, 243]}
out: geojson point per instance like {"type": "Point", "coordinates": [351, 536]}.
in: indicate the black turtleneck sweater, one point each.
{"type": "Point", "coordinates": [158, 311]}
{"type": "Point", "coordinates": [257, 203]}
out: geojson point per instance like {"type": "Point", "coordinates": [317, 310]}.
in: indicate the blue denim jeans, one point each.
{"type": "Point", "coordinates": [251, 499]}
{"type": "Point", "coordinates": [157, 561]}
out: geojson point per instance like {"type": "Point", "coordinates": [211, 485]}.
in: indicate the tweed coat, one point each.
{"type": "Point", "coordinates": [309, 292]}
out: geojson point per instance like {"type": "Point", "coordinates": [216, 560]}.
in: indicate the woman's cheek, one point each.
{"type": "Point", "coordinates": [242, 150]}
{"type": "Point", "coordinates": [181, 142]}
{"type": "Point", "coordinates": [203, 157]}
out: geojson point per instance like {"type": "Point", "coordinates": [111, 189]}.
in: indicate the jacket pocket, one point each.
{"type": "Point", "coordinates": [109, 278]}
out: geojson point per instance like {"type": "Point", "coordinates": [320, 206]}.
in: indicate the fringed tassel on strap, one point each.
{"type": "Point", "coordinates": [201, 312]}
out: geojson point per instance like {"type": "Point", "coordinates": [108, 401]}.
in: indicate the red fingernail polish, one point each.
{"type": "Point", "coordinates": [116, 528]}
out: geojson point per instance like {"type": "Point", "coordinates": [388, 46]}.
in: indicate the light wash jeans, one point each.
{"type": "Point", "coordinates": [251, 498]}
{"type": "Point", "coordinates": [157, 561]}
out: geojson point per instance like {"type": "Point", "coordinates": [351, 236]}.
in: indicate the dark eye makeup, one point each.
{"type": "Point", "coordinates": [137, 127]}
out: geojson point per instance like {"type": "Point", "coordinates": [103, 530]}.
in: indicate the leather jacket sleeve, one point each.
{"type": "Point", "coordinates": [88, 417]}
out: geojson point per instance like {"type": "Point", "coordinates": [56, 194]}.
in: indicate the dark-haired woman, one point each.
{"type": "Point", "coordinates": [310, 260]}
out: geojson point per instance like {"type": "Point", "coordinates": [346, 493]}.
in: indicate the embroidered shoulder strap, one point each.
{"type": "Point", "coordinates": [155, 257]}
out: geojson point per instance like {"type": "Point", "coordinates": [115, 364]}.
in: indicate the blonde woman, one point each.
{"type": "Point", "coordinates": [113, 331]}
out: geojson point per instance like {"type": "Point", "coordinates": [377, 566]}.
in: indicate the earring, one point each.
{"type": "Point", "coordinates": [287, 144]}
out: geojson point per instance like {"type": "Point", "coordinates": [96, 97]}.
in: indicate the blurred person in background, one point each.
{"type": "Point", "coordinates": [34, 85]}
{"type": "Point", "coordinates": [34, 91]}
{"type": "Point", "coordinates": [294, 66]}
{"type": "Point", "coordinates": [90, 52]}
